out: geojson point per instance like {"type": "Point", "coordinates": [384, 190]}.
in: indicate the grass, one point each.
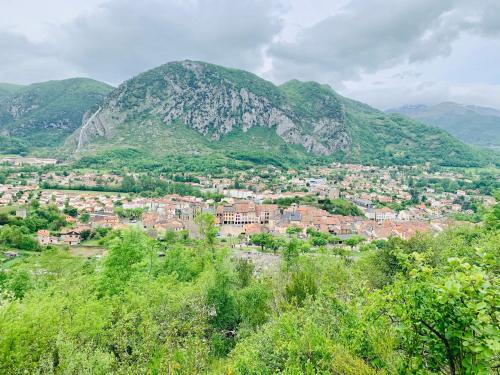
{"type": "Point", "coordinates": [9, 262]}
{"type": "Point", "coordinates": [86, 251]}
{"type": "Point", "coordinates": [91, 243]}
{"type": "Point", "coordinates": [7, 209]}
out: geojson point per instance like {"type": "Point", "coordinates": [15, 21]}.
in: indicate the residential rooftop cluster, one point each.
{"type": "Point", "coordinates": [383, 202]}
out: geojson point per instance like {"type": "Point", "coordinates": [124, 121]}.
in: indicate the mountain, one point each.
{"type": "Point", "coordinates": [7, 89]}
{"type": "Point", "coordinates": [472, 124]}
{"type": "Point", "coordinates": [44, 114]}
{"type": "Point", "coordinates": [215, 102]}
{"type": "Point", "coordinates": [192, 113]}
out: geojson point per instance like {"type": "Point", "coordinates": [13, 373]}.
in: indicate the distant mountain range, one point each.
{"type": "Point", "coordinates": [195, 112]}
{"type": "Point", "coordinates": [471, 124]}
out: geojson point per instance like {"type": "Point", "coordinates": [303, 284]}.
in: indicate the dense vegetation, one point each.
{"type": "Point", "coordinates": [44, 114]}
{"type": "Point", "coordinates": [145, 185]}
{"type": "Point", "coordinates": [7, 89]}
{"type": "Point", "coordinates": [473, 125]}
{"type": "Point", "coordinates": [312, 101]}
{"type": "Point", "coordinates": [184, 149]}
{"type": "Point", "coordinates": [336, 206]}
{"type": "Point", "coordinates": [19, 233]}
{"type": "Point", "coordinates": [428, 305]}
{"type": "Point", "coordinates": [485, 181]}
{"type": "Point", "coordinates": [368, 135]}
{"type": "Point", "coordinates": [389, 139]}
{"type": "Point", "coordinates": [11, 145]}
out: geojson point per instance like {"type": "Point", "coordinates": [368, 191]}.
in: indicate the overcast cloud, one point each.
{"type": "Point", "coordinates": [384, 52]}
{"type": "Point", "coordinates": [125, 37]}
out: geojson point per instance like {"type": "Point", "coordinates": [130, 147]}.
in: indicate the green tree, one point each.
{"type": "Point", "coordinates": [128, 184]}
{"type": "Point", "coordinates": [319, 241]}
{"type": "Point", "coordinates": [301, 285]}
{"type": "Point", "coordinates": [4, 218]}
{"type": "Point", "coordinates": [354, 241]}
{"type": "Point", "coordinates": [340, 206]}
{"type": "Point", "coordinates": [253, 305]}
{"type": "Point", "coordinates": [492, 218]}
{"type": "Point", "coordinates": [264, 240]}
{"type": "Point", "coordinates": [19, 283]}
{"type": "Point", "coordinates": [17, 237]}
{"type": "Point", "coordinates": [276, 244]}
{"type": "Point", "coordinates": [224, 316]}
{"type": "Point", "coordinates": [125, 253]}
{"type": "Point", "coordinates": [185, 263]}
{"type": "Point", "coordinates": [292, 230]}
{"type": "Point", "coordinates": [85, 217]}
{"type": "Point", "coordinates": [448, 318]}
{"type": "Point", "coordinates": [71, 211]}
{"type": "Point", "coordinates": [244, 272]}
{"type": "Point", "coordinates": [129, 213]}
{"type": "Point", "coordinates": [291, 252]}
{"type": "Point", "coordinates": [85, 234]}
{"type": "Point", "coordinates": [170, 236]}
{"type": "Point", "coordinates": [207, 228]}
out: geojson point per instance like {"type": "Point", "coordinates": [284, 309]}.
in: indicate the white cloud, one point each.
{"type": "Point", "coordinates": [125, 37]}
{"type": "Point", "coordinates": [396, 87]}
{"type": "Point", "coordinates": [384, 52]}
{"type": "Point", "coordinates": [25, 61]}
{"type": "Point", "coordinates": [121, 38]}
{"type": "Point", "coordinates": [367, 36]}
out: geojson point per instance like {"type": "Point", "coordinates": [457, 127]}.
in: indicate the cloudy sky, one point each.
{"type": "Point", "coordinates": [384, 52]}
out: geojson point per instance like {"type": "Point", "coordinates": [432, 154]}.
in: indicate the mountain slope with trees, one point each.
{"type": "Point", "coordinates": [471, 124]}
{"type": "Point", "coordinates": [44, 114]}
{"type": "Point", "coordinates": [197, 109]}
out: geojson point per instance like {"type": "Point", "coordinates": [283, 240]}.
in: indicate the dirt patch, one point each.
{"type": "Point", "coordinates": [86, 251]}
{"type": "Point", "coordinates": [262, 261]}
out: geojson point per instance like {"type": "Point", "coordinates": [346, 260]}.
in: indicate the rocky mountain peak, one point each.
{"type": "Point", "coordinates": [214, 101]}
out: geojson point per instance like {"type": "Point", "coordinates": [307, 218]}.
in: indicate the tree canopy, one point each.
{"type": "Point", "coordinates": [185, 306]}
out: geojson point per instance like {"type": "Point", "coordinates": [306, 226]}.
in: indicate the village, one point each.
{"type": "Point", "coordinates": [382, 202]}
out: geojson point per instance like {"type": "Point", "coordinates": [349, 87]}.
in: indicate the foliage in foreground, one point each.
{"type": "Point", "coordinates": [428, 305]}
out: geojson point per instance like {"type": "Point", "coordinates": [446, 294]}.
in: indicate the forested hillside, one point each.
{"type": "Point", "coordinates": [44, 114]}
{"type": "Point", "coordinates": [196, 110]}
{"type": "Point", "coordinates": [471, 124]}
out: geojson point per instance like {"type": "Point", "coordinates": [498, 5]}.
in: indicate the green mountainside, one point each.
{"type": "Point", "coordinates": [197, 114]}
{"type": "Point", "coordinates": [396, 139]}
{"type": "Point", "coordinates": [211, 100]}
{"type": "Point", "coordinates": [7, 89]}
{"type": "Point", "coordinates": [471, 124]}
{"type": "Point", "coordinates": [194, 110]}
{"type": "Point", "coordinates": [44, 114]}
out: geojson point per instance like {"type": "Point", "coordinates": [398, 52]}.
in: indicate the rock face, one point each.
{"type": "Point", "coordinates": [215, 101]}
{"type": "Point", "coordinates": [18, 109]}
